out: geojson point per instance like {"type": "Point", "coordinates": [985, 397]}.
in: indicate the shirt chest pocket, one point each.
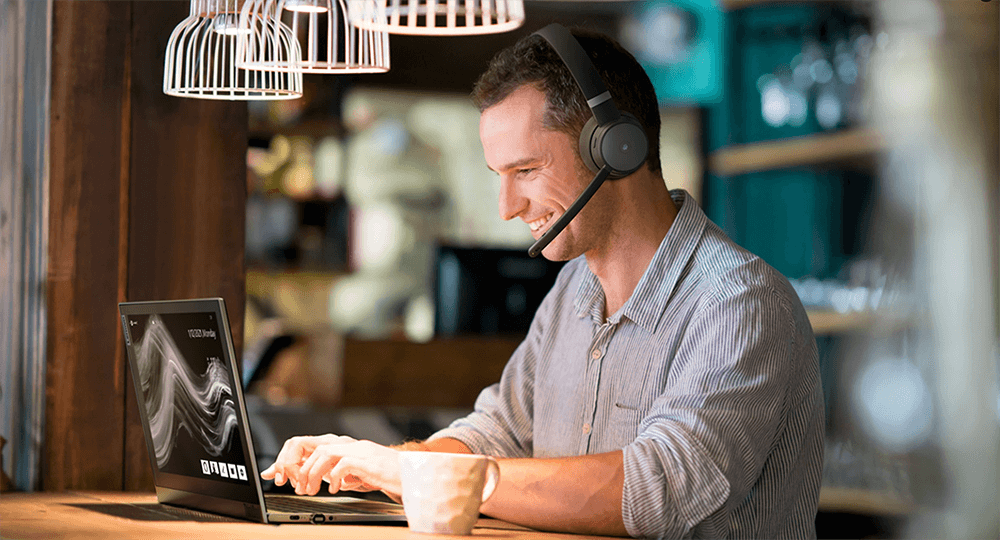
{"type": "Point", "coordinates": [623, 425]}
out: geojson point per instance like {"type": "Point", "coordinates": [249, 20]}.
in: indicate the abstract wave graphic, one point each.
{"type": "Point", "coordinates": [178, 399]}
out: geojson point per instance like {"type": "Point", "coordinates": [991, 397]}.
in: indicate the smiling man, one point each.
{"type": "Point", "coordinates": [669, 383]}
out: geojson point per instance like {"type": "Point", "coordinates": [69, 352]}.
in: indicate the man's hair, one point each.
{"type": "Point", "coordinates": [533, 61]}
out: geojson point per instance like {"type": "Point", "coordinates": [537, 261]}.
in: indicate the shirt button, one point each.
{"type": "Point", "coordinates": [586, 429]}
{"type": "Point", "coordinates": [596, 354]}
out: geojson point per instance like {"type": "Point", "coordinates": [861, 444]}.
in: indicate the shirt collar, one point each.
{"type": "Point", "coordinates": [651, 294]}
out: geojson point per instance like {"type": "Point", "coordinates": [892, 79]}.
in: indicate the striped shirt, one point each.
{"type": "Point", "coordinates": [707, 379]}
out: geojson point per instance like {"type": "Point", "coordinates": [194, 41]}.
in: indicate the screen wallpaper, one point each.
{"type": "Point", "coordinates": [188, 395]}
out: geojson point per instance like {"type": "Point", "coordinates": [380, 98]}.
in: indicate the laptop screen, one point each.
{"type": "Point", "coordinates": [192, 416]}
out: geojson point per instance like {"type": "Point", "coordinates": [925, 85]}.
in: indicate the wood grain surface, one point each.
{"type": "Point", "coordinates": [85, 377]}
{"type": "Point", "coordinates": [131, 515]}
{"type": "Point", "coordinates": [147, 196]}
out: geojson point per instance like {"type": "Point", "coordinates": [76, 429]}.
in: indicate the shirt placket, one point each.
{"type": "Point", "coordinates": [595, 359]}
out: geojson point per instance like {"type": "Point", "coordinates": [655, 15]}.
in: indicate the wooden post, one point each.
{"type": "Point", "coordinates": [147, 200]}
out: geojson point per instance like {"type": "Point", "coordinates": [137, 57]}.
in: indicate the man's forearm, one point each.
{"type": "Point", "coordinates": [576, 494]}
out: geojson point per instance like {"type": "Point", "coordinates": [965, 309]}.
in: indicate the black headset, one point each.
{"type": "Point", "coordinates": [612, 144]}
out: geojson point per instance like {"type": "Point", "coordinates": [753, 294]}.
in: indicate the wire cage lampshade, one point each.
{"type": "Point", "coordinates": [321, 30]}
{"type": "Point", "coordinates": [438, 17]}
{"type": "Point", "coordinates": [201, 59]}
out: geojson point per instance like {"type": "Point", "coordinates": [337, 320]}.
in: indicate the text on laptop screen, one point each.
{"type": "Point", "coordinates": [188, 395]}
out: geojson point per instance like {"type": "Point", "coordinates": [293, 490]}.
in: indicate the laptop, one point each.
{"type": "Point", "coordinates": [195, 420]}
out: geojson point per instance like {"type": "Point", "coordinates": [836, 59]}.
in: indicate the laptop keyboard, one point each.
{"type": "Point", "coordinates": [301, 504]}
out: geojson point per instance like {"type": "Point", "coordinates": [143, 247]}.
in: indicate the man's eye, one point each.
{"type": "Point", "coordinates": [525, 171]}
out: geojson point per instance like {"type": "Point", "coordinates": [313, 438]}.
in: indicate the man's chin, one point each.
{"type": "Point", "coordinates": [557, 252]}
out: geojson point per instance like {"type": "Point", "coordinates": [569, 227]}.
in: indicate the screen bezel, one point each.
{"type": "Point", "coordinates": [188, 484]}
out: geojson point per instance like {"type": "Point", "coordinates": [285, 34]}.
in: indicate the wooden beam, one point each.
{"type": "Point", "coordinates": [187, 197]}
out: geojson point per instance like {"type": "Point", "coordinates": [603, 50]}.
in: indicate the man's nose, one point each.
{"type": "Point", "coordinates": [512, 203]}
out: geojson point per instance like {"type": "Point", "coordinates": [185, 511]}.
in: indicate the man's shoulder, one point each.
{"type": "Point", "coordinates": [726, 270]}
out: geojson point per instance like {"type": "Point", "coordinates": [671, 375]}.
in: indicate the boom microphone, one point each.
{"type": "Point", "coordinates": [571, 212]}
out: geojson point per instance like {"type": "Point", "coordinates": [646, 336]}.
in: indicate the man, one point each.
{"type": "Point", "coordinates": [669, 383]}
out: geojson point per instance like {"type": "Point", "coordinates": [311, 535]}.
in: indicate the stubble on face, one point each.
{"type": "Point", "coordinates": [513, 131]}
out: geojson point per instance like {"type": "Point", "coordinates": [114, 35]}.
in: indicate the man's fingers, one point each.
{"type": "Point", "coordinates": [286, 459]}
{"type": "Point", "coordinates": [338, 474]}
{"type": "Point", "coordinates": [319, 463]}
{"type": "Point", "coordinates": [288, 464]}
{"type": "Point", "coordinates": [353, 483]}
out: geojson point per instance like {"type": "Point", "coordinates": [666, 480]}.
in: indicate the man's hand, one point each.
{"type": "Point", "coordinates": [346, 463]}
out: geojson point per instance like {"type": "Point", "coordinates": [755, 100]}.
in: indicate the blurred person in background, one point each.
{"type": "Point", "coordinates": [669, 383]}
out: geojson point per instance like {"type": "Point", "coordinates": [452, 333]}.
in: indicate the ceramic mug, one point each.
{"type": "Point", "coordinates": [442, 492]}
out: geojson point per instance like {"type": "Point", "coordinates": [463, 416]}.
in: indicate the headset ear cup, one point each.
{"type": "Point", "coordinates": [620, 145]}
{"type": "Point", "coordinates": [623, 146]}
{"type": "Point", "coordinates": [587, 148]}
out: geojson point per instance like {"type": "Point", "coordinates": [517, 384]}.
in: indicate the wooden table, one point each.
{"type": "Point", "coordinates": [138, 515]}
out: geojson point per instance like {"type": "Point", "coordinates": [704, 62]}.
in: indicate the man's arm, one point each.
{"type": "Point", "coordinates": [580, 494]}
{"type": "Point", "coordinates": [575, 494]}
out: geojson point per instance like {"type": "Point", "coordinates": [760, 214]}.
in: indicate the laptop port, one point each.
{"type": "Point", "coordinates": [293, 517]}
{"type": "Point", "coordinates": [318, 518]}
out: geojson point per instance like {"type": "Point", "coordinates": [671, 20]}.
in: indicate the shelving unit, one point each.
{"type": "Point", "coordinates": [828, 175]}
{"type": "Point", "coordinates": [852, 148]}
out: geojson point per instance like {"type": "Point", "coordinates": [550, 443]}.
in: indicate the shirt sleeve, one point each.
{"type": "Point", "coordinates": [704, 441]}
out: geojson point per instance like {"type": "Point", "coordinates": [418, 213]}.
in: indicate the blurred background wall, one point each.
{"type": "Point", "coordinates": [852, 145]}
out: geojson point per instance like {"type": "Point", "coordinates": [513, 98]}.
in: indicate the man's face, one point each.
{"type": "Point", "coordinates": [540, 174]}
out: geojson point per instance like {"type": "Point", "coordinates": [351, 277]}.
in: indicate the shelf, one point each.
{"type": "Point", "coordinates": [828, 322]}
{"type": "Point", "coordinates": [731, 5]}
{"type": "Point", "coordinates": [863, 501]}
{"type": "Point", "coordinates": [836, 148]}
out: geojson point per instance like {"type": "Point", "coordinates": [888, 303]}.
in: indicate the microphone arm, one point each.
{"type": "Point", "coordinates": [571, 212]}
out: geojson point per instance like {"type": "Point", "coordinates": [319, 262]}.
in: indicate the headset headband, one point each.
{"type": "Point", "coordinates": [583, 71]}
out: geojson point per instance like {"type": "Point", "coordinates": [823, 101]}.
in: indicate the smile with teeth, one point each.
{"type": "Point", "coordinates": [539, 223]}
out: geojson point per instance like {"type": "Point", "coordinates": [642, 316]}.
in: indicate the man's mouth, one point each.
{"type": "Point", "coordinates": [539, 223]}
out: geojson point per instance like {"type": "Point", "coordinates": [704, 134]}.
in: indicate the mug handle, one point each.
{"type": "Point", "coordinates": [492, 477]}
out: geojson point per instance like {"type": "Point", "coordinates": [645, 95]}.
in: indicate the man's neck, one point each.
{"type": "Point", "coordinates": [633, 240]}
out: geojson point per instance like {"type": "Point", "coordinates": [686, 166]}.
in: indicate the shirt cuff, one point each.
{"type": "Point", "coordinates": [671, 485]}
{"type": "Point", "coordinates": [467, 436]}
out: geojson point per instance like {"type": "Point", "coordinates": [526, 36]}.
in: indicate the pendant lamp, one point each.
{"type": "Point", "coordinates": [438, 17]}
{"type": "Point", "coordinates": [322, 32]}
{"type": "Point", "coordinates": [201, 59]}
